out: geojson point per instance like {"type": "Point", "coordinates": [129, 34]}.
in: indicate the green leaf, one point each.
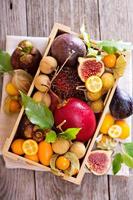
{"type": "Point", "coordinates": [117, 163]}
{"type": "Point", "coordinates": [51, 137]}
{"type": "Point", "coordinates": [92, 52]}
{"type": "Point", "coordinates": [98, 58]}
{"type": "Point", "coordinates": [5, 62]}
{"type": "Point", "coordinates": [37, 113]}
{"type": "Point", "coordinates": [127, 160]}
{"type": "Point", "coordinates": [109, 50]}
{"type": "Point", "coordinates": [86, 36]}
{"type": "Point", "coordinates": [111, 46]}
{"type": "Point", "coordinates": [128, 148]}
{"type": "Point", "coordinates": [70, 133]}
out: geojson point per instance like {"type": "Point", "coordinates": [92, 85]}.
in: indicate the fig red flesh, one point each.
{"type": "Point", "coordinates": [89, 67]}
{"type": "Point", "coordinates": [78, 114]}
{"type": "Point", "coordinates": [99, 162]}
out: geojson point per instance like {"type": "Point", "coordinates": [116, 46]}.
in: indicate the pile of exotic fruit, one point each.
{"type": "Point", "coordinates": [63, 111]}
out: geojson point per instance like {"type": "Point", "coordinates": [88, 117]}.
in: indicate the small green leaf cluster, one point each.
{"type": "Point", "coordinates": [5, 62]}
{"type": "Point", "coordinates": [126, 157]}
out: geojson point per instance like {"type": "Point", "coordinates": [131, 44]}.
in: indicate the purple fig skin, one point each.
{"type": "Point", "coordinates": [121, 105]}
{"type": "Point", "coordinates": [26, 57]}
{"type": "Point", "coordinates": [64, 45]}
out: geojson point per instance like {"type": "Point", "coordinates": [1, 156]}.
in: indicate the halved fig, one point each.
{"type": "Point", "coordinates": [99, 162]}
{"type": "Point", "coordinates": [89, 67]}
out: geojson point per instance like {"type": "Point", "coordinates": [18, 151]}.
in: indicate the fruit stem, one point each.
{"type": "Point", "coordinates": [94, 45]}
{"type": "Point", "coordinates": [60, 125]}
{"type": "Point", "coordinates": [81, 88]}
{"type": "Point", "coordinates": [59, 70]}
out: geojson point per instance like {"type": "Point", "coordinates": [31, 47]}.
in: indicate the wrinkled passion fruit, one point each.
{"type": "Point", "coordinates": [77, 114]}
{"type": "Point", "coordinates": [89, 67]}
{"type": "Point", "coordinates": [64, 45]}
{"type": "Point", "coordinates": [26, 57]}
{"type": "Point", "coordinates": [99, 162]}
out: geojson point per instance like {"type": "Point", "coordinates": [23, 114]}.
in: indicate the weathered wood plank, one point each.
{"type": "Point", "coordinates": [121, 188]}
{"type": "Point", "coordinates": [14, 184]}
{"type": "Point", "coordinates": [116, 19]}
{"type": "Point", "coordinates": [71, 13]}
{"type": "Point", "coordinates": [56, 189]}
{"type": "Point", "coordinates": [40, 17]}
{"type": "Point", "coordinates": [116, 22]}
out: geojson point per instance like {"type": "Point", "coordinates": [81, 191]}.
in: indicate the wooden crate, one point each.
{"type": "Point", "coordinates": [77, 180]}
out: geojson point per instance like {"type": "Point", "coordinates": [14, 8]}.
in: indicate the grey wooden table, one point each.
{"type": "Point", "coordinates": [105, 19]}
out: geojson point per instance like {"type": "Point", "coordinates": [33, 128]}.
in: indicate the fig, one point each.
{"type": "Point", "coordinates": [99, 162]}
{"type": "Point", "coordinates": [77, 114]}
{"type": "Point", "coordinates": [22, 80]}
{"type": "Point", "coordinates": [89, 67]}
{"type": "Point", "coordinates": [26, 57]}
{"type": "Point", "coordinates": [121, 105]}
{"type": "Point", "coordinates": [66, 82]}
{"type": "Point", "coordinates": [64, 45]}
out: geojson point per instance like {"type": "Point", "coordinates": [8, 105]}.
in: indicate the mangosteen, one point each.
{"type": "Point", "coordinates": [26, 57]}
{"type": "Point", "coordinates": [66, 44]}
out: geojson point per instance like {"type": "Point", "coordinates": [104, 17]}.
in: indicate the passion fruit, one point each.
{"type": "Point", "coordinates": [66, 44]}
{"type": "Point", "coordinates": [99, 162]}
{"type": "Point", "coordinates": [89, 67]}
